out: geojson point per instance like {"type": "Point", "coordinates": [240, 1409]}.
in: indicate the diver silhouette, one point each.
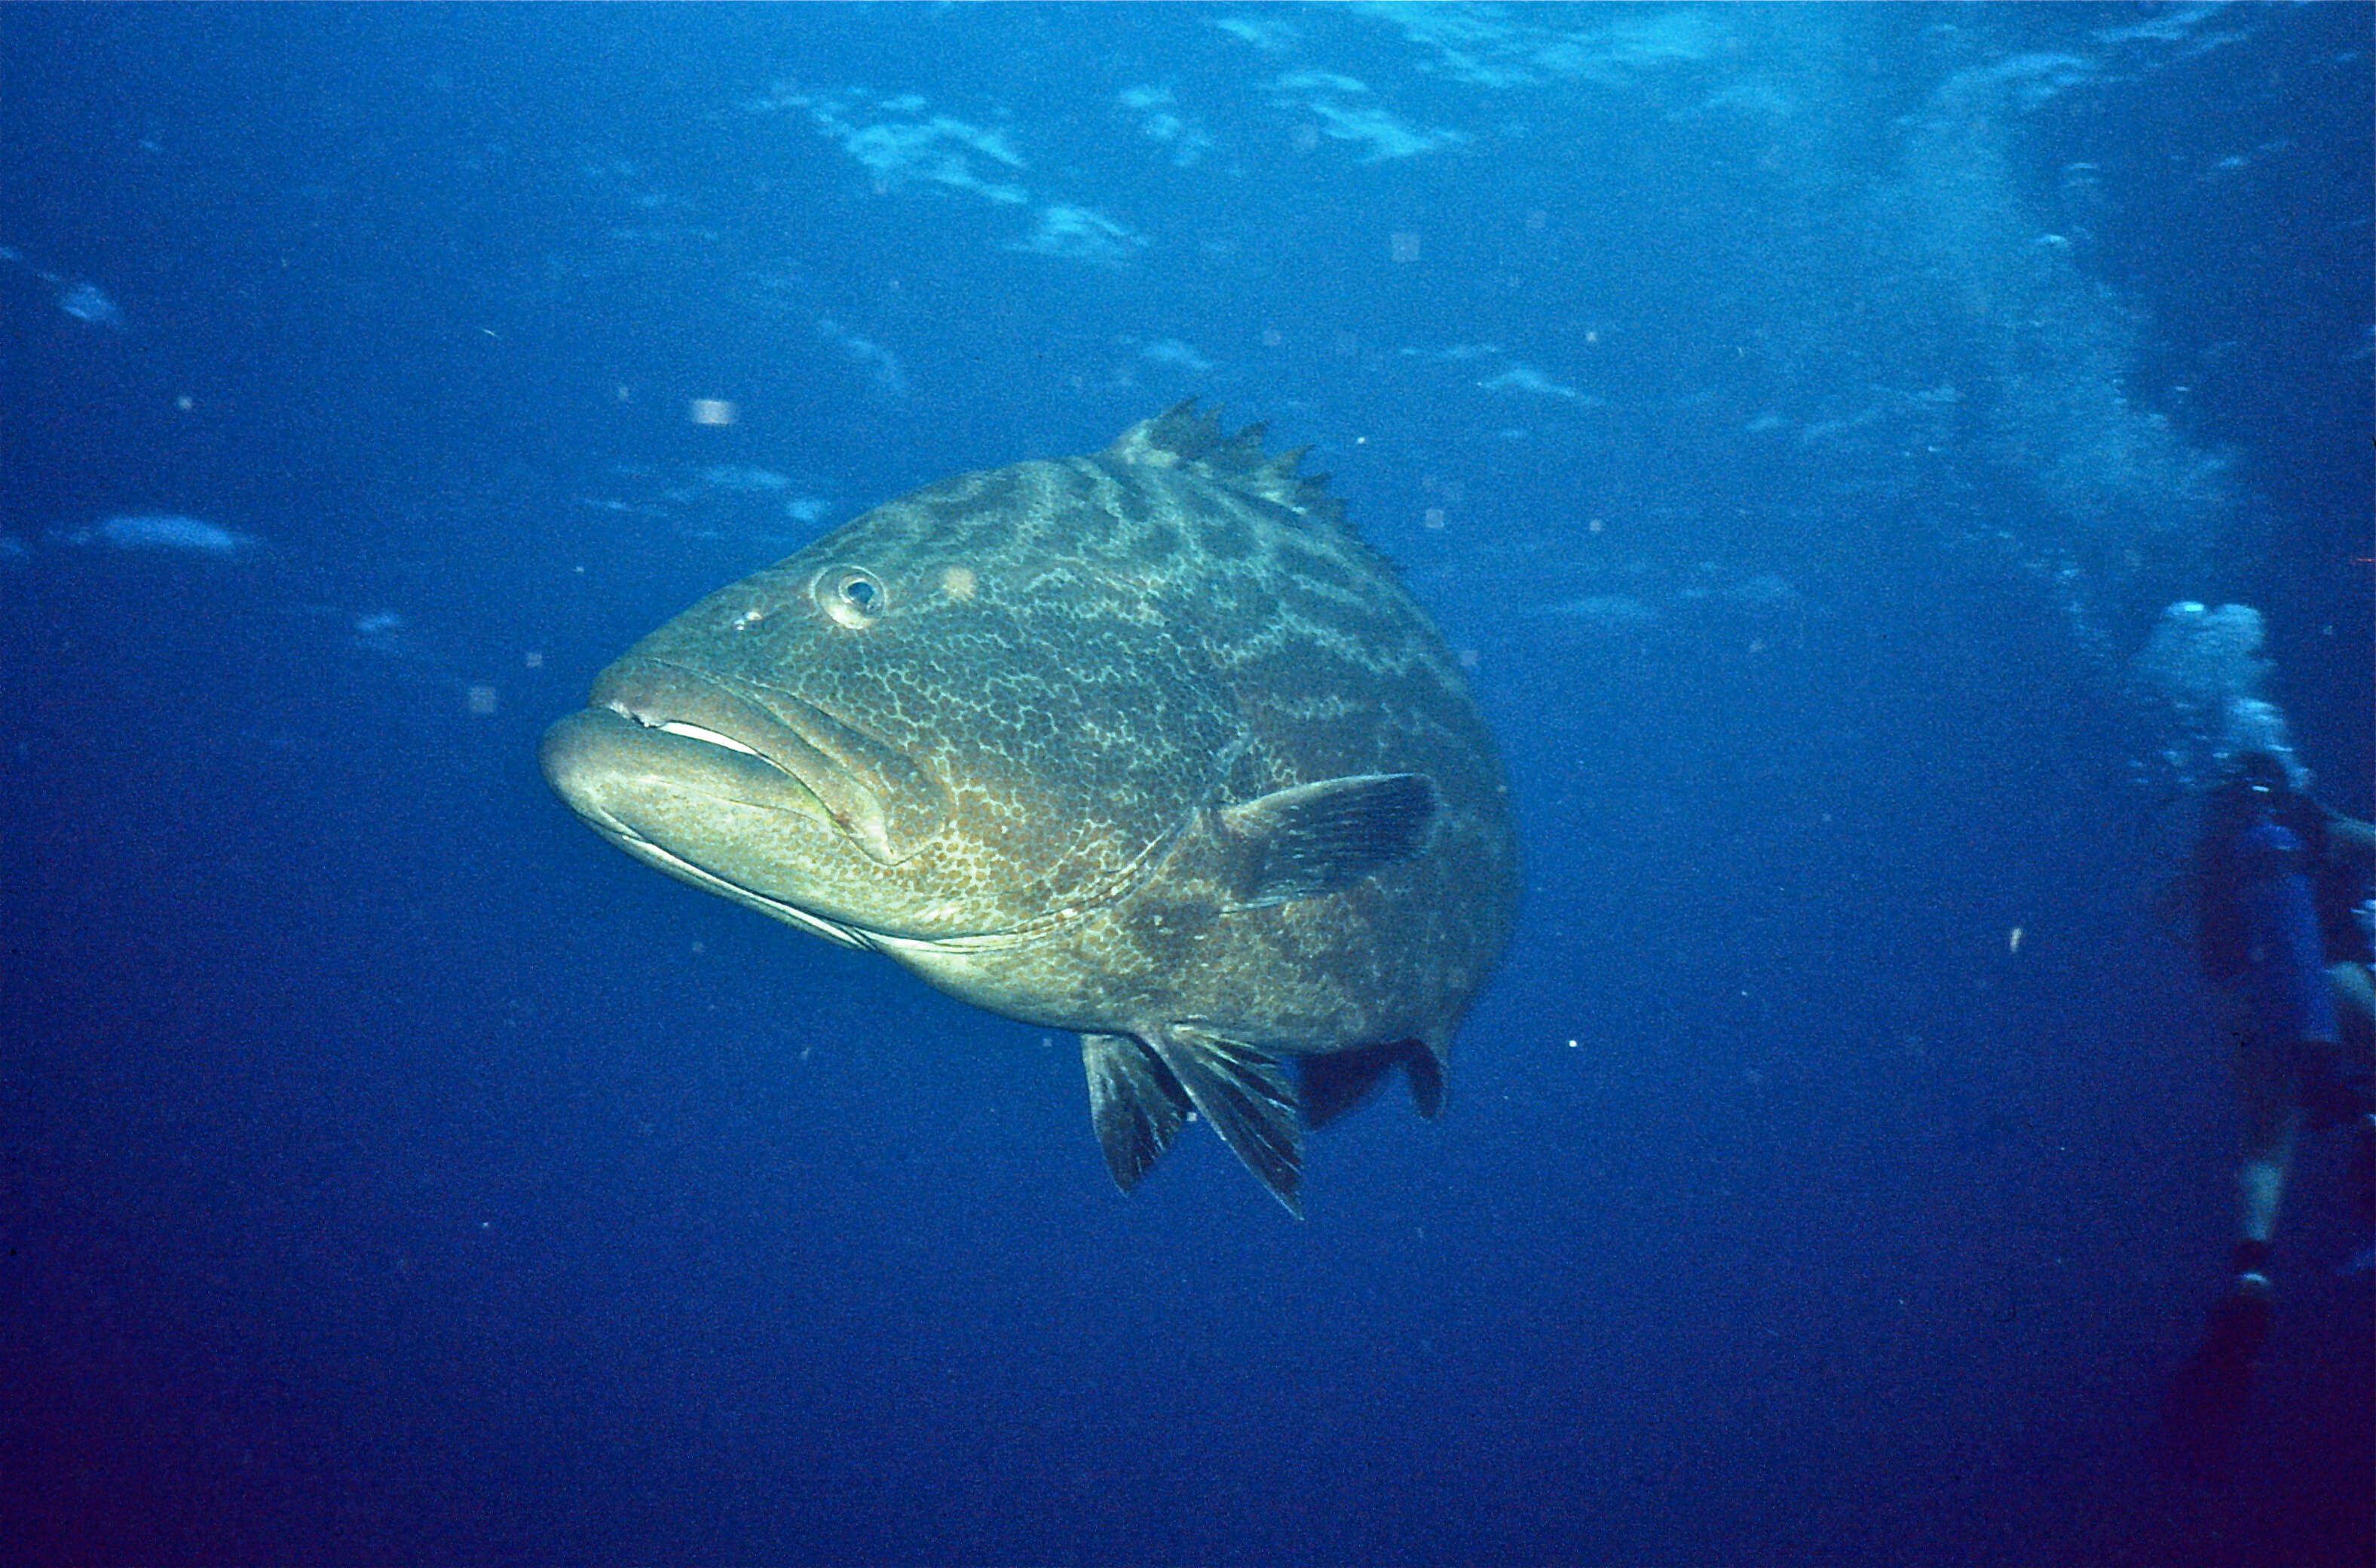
{"type": "Point", "coordinates": [2280, 887]}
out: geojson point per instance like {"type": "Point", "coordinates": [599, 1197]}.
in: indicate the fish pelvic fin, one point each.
{"type": "Point", "coordinates": [1246, 1096]}
{"type": "Point", "coordinates": [1135, 1103]}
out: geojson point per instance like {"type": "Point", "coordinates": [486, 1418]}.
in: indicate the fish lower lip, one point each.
{"type": "Point", "coordinates": [700, 875]}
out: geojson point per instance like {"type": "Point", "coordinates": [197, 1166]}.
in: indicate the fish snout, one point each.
{"type": "Point", "coordinates": [886, 804]}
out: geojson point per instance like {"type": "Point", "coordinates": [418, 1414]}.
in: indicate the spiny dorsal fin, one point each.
{"type": "Point", "coordinates": [1182, 437]}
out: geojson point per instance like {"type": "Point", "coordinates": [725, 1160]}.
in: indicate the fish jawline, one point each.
{"type": "Point", "coordinates": [678, 866]}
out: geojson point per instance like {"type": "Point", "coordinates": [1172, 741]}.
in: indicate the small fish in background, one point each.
{"type": "Point", "coordinates": [86, 302]}
{"type": "Point", "coordinates": [885, 379]}
{"type": "Point", "coordinates": [736, 476]}
{"type": "Point", "coordinates": [1607, 610]}
{"type": "Point", "coordinates": [165, 531]}
{"type": "Point", "coordinates": [382, 631]}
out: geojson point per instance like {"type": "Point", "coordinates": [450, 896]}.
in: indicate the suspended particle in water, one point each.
{"type": "Point", "coordinates": [712, 410]}
{"type": "Point", "coordinates": [481, 700]}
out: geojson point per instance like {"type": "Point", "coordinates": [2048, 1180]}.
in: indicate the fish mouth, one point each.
{"type": "Point", "coordinates": [762, 747]}
{"type": "Point", "coordinates": [595, 758]}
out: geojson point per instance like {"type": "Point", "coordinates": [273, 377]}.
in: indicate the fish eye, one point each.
{"type": "Point", "coordinates": [851, 595]}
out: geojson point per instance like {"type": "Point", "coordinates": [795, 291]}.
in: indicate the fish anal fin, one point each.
{"type": "Point", "coordinates": [1342, 1080]}
{"type": "Point", "coordinates": [1135, 1103]}
{"type": "Point", "coordinates": [1425, 1067]}
{"type": "Point", "coordinates": [1321, 838]}
{"type": "Point", "coordinates": [1246, 1096]}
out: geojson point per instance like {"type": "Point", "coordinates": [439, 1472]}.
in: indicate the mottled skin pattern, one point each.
{"type": "Point", "coordinates": [992, 728]}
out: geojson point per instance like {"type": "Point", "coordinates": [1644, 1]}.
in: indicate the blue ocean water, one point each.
{"type": "Point", "coordinates": [1799, 416]}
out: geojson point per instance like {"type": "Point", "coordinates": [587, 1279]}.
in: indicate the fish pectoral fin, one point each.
{"type": "Point", "coordinates": [1342, 1080]}
{"type": "Point", "coordinates": [1316, 838]}
{"type": "Point", "coordinates": [1136, 1104]}
{"type": "Point", "coordinates": [1248, 1099]}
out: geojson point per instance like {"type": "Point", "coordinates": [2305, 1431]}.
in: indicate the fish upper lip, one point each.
{"type": "Point", "coordinates": [675, 700]}
{"type": "Point", "coordinates": [887, 804]}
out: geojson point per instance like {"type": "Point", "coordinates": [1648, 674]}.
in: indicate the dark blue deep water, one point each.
{"type": "Point", "coordinates": [1801, 415]}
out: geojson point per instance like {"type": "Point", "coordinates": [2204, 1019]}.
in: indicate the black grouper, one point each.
{"type": "Point", "coordinates": [1145, 745]}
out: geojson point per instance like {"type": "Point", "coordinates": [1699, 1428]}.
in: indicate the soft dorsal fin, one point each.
{"type": "Point", "coordinates": [1316, 838]}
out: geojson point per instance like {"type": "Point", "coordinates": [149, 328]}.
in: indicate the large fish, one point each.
{"type": "Point", "coordinates": [1145, 745]}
